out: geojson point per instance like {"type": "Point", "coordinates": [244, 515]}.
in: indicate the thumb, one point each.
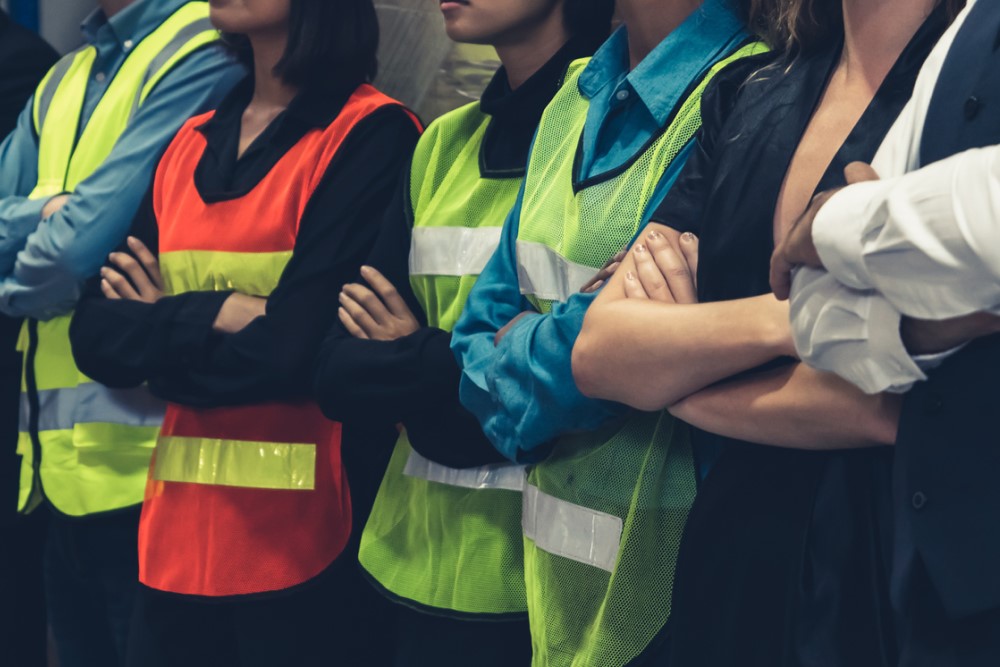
{"type": "Point", "coordinates": [859, 172]}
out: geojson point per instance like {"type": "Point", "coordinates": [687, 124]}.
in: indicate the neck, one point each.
{"type": "Point", "coordinates": [521, 57]}
{"type": "Point", "coordinates": [876, 32]}
{"type": "Point", "coordinates": [112, 7]}
{"type": "Point", "coordinates": [269, 90]}
{"type": "Point", "coordinates": [648, 23]}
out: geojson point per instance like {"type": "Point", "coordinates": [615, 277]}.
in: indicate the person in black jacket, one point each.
{"type": "Point", "coordinates": [24, 59]}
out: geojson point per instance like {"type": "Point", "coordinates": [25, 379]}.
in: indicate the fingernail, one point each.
{"type": "Point", "coordinates": [687, 237]}
{"type": "Point", "coordinates": [629, 276]}
{"type": "Point", "coordinates": [655, 235]}
{"type": "Point", "coordinates": [640, 248]}
{"type": "Point", "coordinates": [104, 271]}
{"type": "Point", "coordinates": [131, 240]}
{"type": "Point", "coordinates": [365, 269]}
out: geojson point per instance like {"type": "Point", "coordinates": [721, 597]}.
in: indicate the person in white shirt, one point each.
{"type": "Point", "coordinates": [895, 285]}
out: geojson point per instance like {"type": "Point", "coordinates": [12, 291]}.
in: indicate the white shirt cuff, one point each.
{"type": "Point", "coordinates": [839, 231]}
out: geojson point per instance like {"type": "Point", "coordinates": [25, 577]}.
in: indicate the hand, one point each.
{"type": "Point", "coordinates": [53, 205]}
{"type": "Point", "coordinates": [505, 329]}
{"type": "Point", "coordinates": [237, 312]}
{"type": "Point", "coordinates": [663, 272]}
{"type": "Point", "coordinates": [130, 279]}
{"type": "Point", "coordinates": [375, 315]}
{"type": "Point", "coordinates": [797, 247]}
{"type": "Point", "coordinates": [933, 336]}
{"type": "Point", "coordinates": [606, 272]}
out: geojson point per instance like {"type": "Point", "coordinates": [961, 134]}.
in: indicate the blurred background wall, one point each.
{"type": "Point", "coordinates": [417, 62]}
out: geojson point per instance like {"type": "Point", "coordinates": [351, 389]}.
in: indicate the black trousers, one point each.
{"type": "Point", "coordinates": [427, 640]}
{"type": "Point", "coordinates": [930, 638]}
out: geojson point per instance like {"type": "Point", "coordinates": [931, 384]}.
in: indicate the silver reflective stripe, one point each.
{"type": "Point", "coordinates": [452, 251]}
{"type": "Point", "coordinates": [545, 274]}
{"type": "Point", "coordinates": [58, 74]}
{"type": "Point", "coordinates": [61, 409]}
{"type": "Point", "coordinates": [571, 531]}
{"type": "Point", "coordinates": [499, 476]}
{"type": "Point", "coordinates": [183, 36]}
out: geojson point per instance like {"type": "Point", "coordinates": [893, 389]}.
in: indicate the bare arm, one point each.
{"type": "Point", "coordinates": [794, 406]}
{"type": "Point", "coordinates": [650, 353]}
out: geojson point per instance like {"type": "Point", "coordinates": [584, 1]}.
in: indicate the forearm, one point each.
{"type": "Point", "coordinates": [649, 355]}
{"type": "Point", "coordinates": [794, 407]}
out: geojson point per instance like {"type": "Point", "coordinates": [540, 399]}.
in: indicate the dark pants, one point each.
{"type": "Point", "coordinates": [335, 620]}
{"type": "Point", "coordinates": [930, 638]}
{"type": "Point", "coordinates": [426, 640]}
{"type": "Point", "coordinates": [91, 577]}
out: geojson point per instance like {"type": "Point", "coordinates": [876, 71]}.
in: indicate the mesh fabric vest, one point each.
{"type": "Point", "coordinates": [251, 498]}
{"type": "Point", "coordinates": [446, 540]}
{"type": "Point", "coordinates": [87, 445]}
{"type": "Point", "coordinates": [604, 513]}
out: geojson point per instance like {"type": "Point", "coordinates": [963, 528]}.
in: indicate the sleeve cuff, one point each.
{"type": "Point", "coordinates": [839, 231]}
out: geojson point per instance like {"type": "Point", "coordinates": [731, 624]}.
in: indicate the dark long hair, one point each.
{"type": "Point", "coordinates": [804, 25]}
{"type": "Point", "coordinates": [332, 45]}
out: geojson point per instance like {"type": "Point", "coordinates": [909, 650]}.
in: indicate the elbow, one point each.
{"type": "Point", "coordinates": [585, 360]}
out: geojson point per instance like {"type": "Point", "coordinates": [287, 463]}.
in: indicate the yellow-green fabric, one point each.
{"type": "Point", "coordinates": [604, 513]}
{"type": "Point", "coordinates": [444, 545]}
{"type": "Point", "coordinates": [84, 447]}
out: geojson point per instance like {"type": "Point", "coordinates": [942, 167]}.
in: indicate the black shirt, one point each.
{"type": "Point", "coordinates": [171, 344]}
{"type": "Point", "coordinates": [414, 380]}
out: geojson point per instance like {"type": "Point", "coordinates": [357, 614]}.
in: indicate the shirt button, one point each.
{"type": "Point", "coordinates": [918, 500]}
{"type": "Point", "coordinates": [972, 107]}
{"type": "Point", "coordinates": [99, 77]}
{"type": "Point", "coordinates": [622, 95]}
{"type": "Point", "coordinates": [128, 44]}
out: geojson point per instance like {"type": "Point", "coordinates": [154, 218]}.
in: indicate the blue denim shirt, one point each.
{"type": "Point", "coordinates": [44, 263]}
{"type": "Point", "coordinates": [522, 390]}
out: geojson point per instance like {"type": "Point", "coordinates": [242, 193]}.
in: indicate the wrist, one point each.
{"type": "Point", "coordinates": [776, 328]}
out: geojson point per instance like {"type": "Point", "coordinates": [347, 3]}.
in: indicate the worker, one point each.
{"type": "Point", "coordinates": [71, 177]}
{"type": "Point", "coordinates": [258, 213]}
{"type": "Point", "coordinates": [444, 538]}
{"type": "Point", "coordinates": [607, 495]}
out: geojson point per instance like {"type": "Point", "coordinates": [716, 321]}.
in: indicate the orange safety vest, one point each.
{"type": "Point", "coordinates": [253, 498]}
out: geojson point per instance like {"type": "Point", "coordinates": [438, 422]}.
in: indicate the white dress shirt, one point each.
{"type": "Point", "coordinates": [920, 242]}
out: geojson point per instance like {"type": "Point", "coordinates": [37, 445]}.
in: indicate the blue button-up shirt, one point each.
{"type": "Point", "coordinates": [44, 263]}
{"type": "Point", "coordinates": [522, 390]}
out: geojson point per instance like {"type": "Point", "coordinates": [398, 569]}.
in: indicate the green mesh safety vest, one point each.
{"type": "Point", "coordinates": [440, 539]}
{"type": "Point", "coordinates": [604, 513]}
{"type": "Point", "coordinates": [83, 446]}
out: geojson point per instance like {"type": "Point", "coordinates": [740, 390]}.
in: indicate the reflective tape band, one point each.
{"type": "Point", "coordinates": [62, 409]}
{"type": "Point", "coordinates": [183, 36]}
{"type": "Point", "coordinates": [239, 463]}
{"type": "Point", "coordinates": [59, 72]}
{"type": "Point", "coordinates": [452, 251]}
{"type": "Point", "coordinates": [509, 477]}
{"type": "Point", "coordinates": [571, 531]}
{"type": "Point", "coordinates": [544, 273]}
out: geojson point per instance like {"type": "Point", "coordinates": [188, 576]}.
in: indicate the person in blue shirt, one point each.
{"type": "Point", "coordinates": [50, 246]}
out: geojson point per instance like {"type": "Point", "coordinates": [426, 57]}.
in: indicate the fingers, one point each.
{"type": "Point", "coordinates": [601, 277]}
{"type": "Point", "coordinates": [359, 314]}
{"type": "Point", "coordinates": [633, 288]}
{"type": "Point", "coordinates": [369, 301]}
{"type": "Point", "coordinates": [650, 277]}
{"type": "Point", "coordinates": [117, 284]}
{"type": "Point", "coordinates": [149, 261]}
{"type": "Point", "coordinates": [109, 291]}
{"type": "Point", "coordinates": [349, 324]}
{"type": "Point", "coordinates": [860, 172]}
{"type": "Point", "coordinates": [781, 275]}
{"type": "Point", "coordinates": [689, 249]}
{"type": "Point", "coordinates": [672, 267]}
{"type": "Point", "coordinates": [386, 290]}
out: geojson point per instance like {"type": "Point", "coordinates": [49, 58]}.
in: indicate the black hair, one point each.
{"type": "Point", "coordinates": [588, 21]}
{"type": "Point", "coordinates": [332, 45]}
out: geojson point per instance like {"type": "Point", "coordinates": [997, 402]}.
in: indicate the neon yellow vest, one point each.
{"type": "Point", "coordinates": [83, 446]}
{"type": "Point", "coordinates": [442, 539]}
{"type": "Point", "coordinates": [604, 513]}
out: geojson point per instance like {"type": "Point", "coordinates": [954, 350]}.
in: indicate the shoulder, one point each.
{"type": "Point", "coordinates": [739, 83]}
{"type": "Point", "coordinates": [456, 126]}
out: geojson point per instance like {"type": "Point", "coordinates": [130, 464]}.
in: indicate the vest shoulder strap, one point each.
{"type": "Point", "coordinates": [439, 145]}
{"type": "Point", "coordinates": [46, 90]}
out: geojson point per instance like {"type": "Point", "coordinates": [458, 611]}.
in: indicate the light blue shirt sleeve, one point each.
{"type": "Point", "coordinates": [18, 175]}
{"type": "Point", "coordinates": [56, 255]}
{"type": "Point", "coordinates": [522, 391]}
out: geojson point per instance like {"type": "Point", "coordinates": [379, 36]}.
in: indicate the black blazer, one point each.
{"type": "Point", "coordinates": [947, 476]}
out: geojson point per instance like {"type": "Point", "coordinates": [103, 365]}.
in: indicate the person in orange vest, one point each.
{"type": "Point", "coordinates": [258, 213]}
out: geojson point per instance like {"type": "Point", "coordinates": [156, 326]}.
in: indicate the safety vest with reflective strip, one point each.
{"type": "Point", "coordinates": [253, 498]}
{"type": "Point", "coordinates": [438, 538]}
{"type": "Point", "coordinates": [604, 513]}
{"type": "Point", "coordinates": [83, 446]}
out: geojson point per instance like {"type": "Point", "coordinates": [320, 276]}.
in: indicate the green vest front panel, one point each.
{"type": "Point", "coordinates": [604, 513]}
{"type": "Point", "coordinates": [441, 539]}
{"type": "Point", "coordinates": [86, 445]}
